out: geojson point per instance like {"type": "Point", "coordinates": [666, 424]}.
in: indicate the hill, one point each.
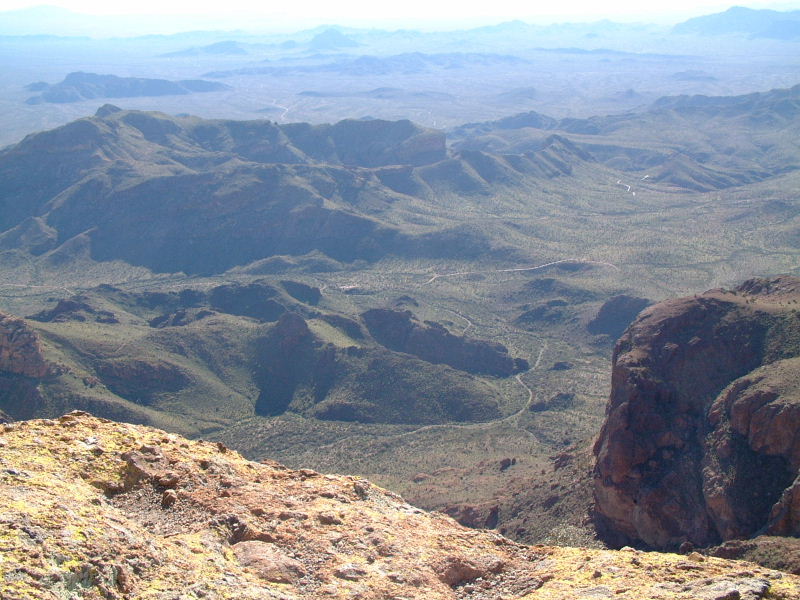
{"type": "Point", "coordinates": [200, 359]}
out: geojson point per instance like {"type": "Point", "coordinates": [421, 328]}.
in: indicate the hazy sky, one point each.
{"type": "Point", "coordinates": [406, 12]}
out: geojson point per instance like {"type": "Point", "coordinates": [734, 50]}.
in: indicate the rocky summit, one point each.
{"type": "Point", "coordinates": [90, 508]}
{"type": "Point", "coordinates": [700, 442]}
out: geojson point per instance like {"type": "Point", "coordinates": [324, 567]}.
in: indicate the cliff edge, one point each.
{"type": "Point", "coordinates": [91, 508]}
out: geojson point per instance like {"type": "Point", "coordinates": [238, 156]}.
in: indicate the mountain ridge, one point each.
{"type": "Point", "coordinates": [79, 86]}
{"type": "Point", "coordinates": [763, 23]}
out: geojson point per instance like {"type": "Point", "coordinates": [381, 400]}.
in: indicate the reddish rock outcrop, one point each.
{"type": "Point", "coordinates": [701, 439]}
{"type": "Point", "coordinates": [20, 350]}
{"type": "Point", "coordinates": [754, 454]}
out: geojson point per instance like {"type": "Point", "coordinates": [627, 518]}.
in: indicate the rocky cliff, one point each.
{"type": "Point", "coordinates": [95, 509]}
{"type": "Point", "coordinates": [22, 365]}
{"type": "Point", "coordinates": [20, 350]}
{"type": "Point", "coordinates": [701, 442]}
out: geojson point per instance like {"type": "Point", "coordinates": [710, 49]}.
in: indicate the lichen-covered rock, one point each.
{"type": "Point", "coordinates": [699, 439]}
{"type": "Point", "coordinates": [82, 516]}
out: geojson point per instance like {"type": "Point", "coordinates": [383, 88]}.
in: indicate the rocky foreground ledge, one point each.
{"type": "Point", "coordinates": [90, 508]}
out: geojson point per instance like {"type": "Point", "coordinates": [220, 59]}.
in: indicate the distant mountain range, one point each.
{"type": "Point", "coordinates": [740, 20]}
{"type": "Point", "coordinates": [609, 139]}
{"type": "Point", "coordinates": [227, 48]}
{"type": "Point", "coordinates": [299, 188]}
{"type": "Point", "coordinates": [57, 21]}
{"type": "Point", "coordinates": [328, 39]}
{"type": "Point", "coordinates": [83, 86]}
{"type": "Point", "coordinates": [406, 63]}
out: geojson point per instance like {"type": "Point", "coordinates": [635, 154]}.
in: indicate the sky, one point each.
{"type": "Point", "coordinates": [408, 13]}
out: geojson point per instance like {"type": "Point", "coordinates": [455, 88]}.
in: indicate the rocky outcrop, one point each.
{"type": "Point", "coordinates": [751, 468]}
{"type": "Point", "coordinates": [20, 350]}
{"type": "Point", "coordinates": [135, 512]}
{"type": "Point", "coordinates": [22, 367]}
{"type": "Point", "coordinates": [400, 331]}
{"type": "Point", "coordinates": [701, 441]}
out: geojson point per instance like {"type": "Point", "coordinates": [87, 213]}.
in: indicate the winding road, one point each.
{"type": "Point", "coordinates": [459, 315]}
{"type": "Point", "coordinates": [43, 287]}
{"type": "Point", "coordinates": [286, 109]}
{"type": "Point", "coordinates": [515, 416]}
{"type": "Point", "coordinates": [519, 269]}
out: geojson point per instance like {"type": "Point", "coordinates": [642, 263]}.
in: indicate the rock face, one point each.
{"type": "Point", "coordinates": [400, 331]}
{"type": "Point", "coordinates": [701, 439]}
{"type": "Point", "coordinates": [754, 454]}
{"type": "Point", "coordinates": [138, 513]}
{"type": "Point", "coordinates": [20, 350]}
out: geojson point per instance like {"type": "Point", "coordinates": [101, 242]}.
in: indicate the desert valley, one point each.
{"type": "Point", "coordinates": [532, 293]}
